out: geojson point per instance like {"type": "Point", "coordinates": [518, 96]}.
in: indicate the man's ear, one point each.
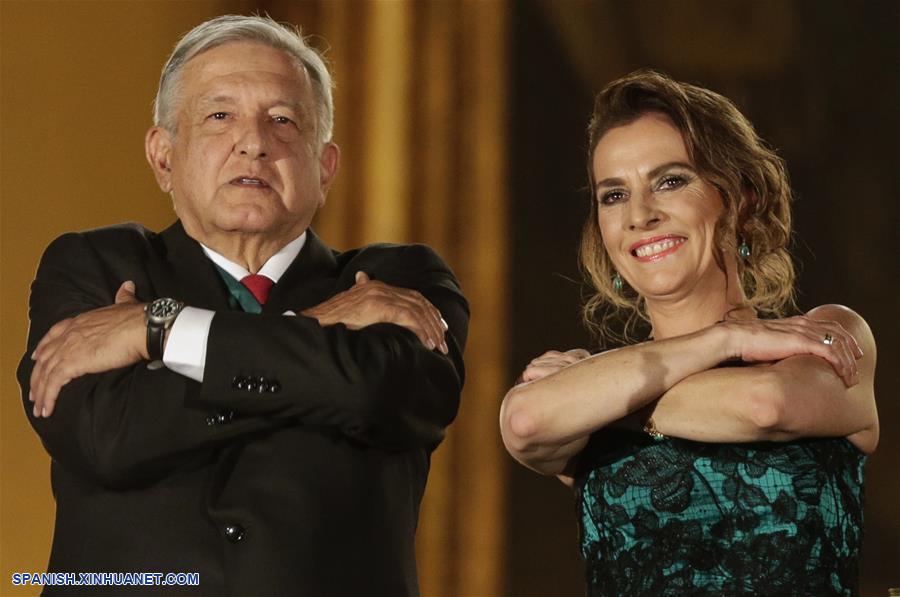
{"type": "Point", "coordinates": [329, 160]}
{"type": "Point", "coordinates": [158, 147]}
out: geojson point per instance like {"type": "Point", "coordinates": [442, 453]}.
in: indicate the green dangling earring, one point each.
{"type": "Point", "coordinates": [617, 282]}
{"type": "Point", "coordinates": [744, 250]}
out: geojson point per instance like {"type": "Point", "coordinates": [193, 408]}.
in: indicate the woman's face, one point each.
{"type": "Point", "coordinates": [656, 215]}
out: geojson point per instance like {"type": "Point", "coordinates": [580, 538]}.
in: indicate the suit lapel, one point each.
{"type": "Point", "coordinates": [181, 270]}
{"type": "Point", "coordinates": [309, 280]}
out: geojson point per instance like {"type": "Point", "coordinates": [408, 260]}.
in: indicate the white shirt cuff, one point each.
{"type": "Point", "coordinates": [186, 347]}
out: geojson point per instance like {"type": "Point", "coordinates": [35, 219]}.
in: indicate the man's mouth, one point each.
{"type": "Point", "coordinates": [657, 248]}
{"type": "Point", "coordinates": [249, 181]}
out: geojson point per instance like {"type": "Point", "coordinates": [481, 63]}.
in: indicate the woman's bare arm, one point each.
{"type": "Point", "coordinates": [799, 396]}
{"type": "Point", "coordinates": [544, 423]}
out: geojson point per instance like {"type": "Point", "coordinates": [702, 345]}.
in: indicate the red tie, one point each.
{"type": "Point", "coordinates": [259, 286]}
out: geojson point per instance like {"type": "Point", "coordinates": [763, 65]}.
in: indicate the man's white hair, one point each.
{"type": "Point", "coordinates": [235, 28]}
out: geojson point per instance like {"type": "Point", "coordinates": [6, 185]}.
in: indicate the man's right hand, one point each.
{"type": "Point", "coordinates": [369, 302]}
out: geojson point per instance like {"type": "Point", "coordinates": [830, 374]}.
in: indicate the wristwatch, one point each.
{"type": "Point", "coordinates": [160, 314]}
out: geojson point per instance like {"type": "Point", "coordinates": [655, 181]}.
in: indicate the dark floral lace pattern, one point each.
{"type": "Point", "coordinates": [684, 518]}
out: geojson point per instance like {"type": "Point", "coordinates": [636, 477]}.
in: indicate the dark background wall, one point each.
{"type": "Point", "coordinates": [821, 82]}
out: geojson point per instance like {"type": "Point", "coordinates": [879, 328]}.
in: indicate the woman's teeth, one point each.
{"type": "Point", "coordinates": [656, 248]}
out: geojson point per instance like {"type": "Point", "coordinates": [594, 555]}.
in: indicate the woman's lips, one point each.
{"type": "Point", "coordinates": [654, 249]}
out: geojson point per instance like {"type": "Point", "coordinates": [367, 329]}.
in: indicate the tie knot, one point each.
{"type": "Point", "coordinates": [259, 286]}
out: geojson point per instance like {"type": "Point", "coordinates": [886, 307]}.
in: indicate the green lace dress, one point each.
{"type": "Point", "coordinates": [675, 517]}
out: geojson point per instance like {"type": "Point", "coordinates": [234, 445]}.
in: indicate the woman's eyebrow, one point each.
{"type": "Point", "coordinates": [616, 182]}
{"type": "Point", "coordinates": [610, 182]}
{"type": "Point", "coordinates": [663, 167]}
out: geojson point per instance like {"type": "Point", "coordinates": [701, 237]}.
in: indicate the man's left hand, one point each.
{"type": "Point", "coordinates": [93, 342]}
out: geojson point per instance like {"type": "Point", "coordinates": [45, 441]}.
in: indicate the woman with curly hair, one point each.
{"type": "Point", "coordinates": [724, 453]}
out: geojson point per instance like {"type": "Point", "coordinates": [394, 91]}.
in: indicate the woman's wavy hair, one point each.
{"type": "Point", "coordinates": [727, 153]}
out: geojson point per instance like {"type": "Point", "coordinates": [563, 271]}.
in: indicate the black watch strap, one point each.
{"type": "Point", "coordinates": [160, 314]}
{"type": "Point", "coordinates": [156, 335]}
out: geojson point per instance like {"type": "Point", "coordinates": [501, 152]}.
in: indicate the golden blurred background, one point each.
{"type": "Point", "coordinates": [461, 124]}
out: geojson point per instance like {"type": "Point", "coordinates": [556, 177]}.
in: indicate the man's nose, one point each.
{"type": "Point", "coordinates": [643, 213]}
{"type": "Point", "coordinates": [251, 140]}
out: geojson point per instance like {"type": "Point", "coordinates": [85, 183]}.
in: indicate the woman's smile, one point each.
{"type": "Point", "coordinates": [657, 247]}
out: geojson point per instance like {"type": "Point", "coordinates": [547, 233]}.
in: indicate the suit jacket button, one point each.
{"type": "Point", "coordinates": [263, 385]}
{"type": "Point", "coordinates": [238, 382]}
{"type": "Point", "coordinates": [234, 533]}
{"type": "Point", "coordinates": [251, 385]}
{"type": "Point", "coordinates": [274, 386]}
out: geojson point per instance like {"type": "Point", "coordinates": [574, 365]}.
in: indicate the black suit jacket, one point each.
{"type": "Point", "coordinates": [312, 489]}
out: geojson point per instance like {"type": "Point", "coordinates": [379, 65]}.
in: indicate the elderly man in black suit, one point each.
{"type": "Point", "coordinates": [230, 396]}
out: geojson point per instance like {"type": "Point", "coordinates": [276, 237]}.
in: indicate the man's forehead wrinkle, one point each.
{"type": "Point", "coordinates": [229, 87]}
{"type": "Point", "coordinates": [216, 99]}
{"type": "Point", "coordinates": [205, 64]}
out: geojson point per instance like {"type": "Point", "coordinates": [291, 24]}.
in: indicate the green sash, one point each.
{"type": "Point", "coordinates": [240, 296]}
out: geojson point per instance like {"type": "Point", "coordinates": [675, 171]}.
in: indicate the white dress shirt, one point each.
{"type": "Point", "coordinates": [185, 351]}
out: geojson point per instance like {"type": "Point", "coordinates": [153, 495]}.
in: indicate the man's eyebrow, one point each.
{"type": "Point", "coordinates": [218, 100]}
{"type": "Point", "coordinates": [294, 105]}
{"type": "Point", "coordinates": [615, 182]}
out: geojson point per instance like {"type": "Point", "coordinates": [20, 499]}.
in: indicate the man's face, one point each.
{"type": "Point", "coordinates": [244, 161]}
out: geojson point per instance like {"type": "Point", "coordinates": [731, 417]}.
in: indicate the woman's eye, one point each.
{"type": "Point", "coordinates": [672, 181]}
{"type": "Point", "coordinates": [611, 197]}
{"type": "Point", "coordinates": [282, 120]}
{"type": "Point", "coordinates": [218, 115]}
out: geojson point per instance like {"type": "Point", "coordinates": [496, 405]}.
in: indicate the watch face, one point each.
{"type": "Point", "coordinates": [164, 308]}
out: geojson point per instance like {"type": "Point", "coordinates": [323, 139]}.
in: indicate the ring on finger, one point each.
{"type": "Point", "coordinates": [828, 340]}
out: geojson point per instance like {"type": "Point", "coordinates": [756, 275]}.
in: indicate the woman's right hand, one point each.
{"type": "Point", "coordinates": [550, 362]}
{"type": "Point", "coordinates": [767, 340]}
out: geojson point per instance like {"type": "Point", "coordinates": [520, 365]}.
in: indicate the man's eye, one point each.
{"type": "Point", "coordinates": [218, 115]}
{"type": "Point", "coordinates": [282, 120]}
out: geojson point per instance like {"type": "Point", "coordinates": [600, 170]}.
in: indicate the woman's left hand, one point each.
{"type": "Point", "coordinates": [762, 340]}
{"type": "Point", "coordinates": [550, 362]}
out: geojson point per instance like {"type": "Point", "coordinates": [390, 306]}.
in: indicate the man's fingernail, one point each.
{"type": "Point", "coordinates": [444, 348]}
{"type": "Point", "coordinates": [431, 345]}
{"type": "Point", "coordinates": [444, 323]}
